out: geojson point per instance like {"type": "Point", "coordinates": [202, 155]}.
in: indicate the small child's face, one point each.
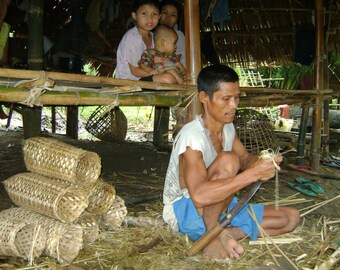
{"type": "Point", "coordinates": [170, 44]}
{"type": "Point", "coordinates": [146, 17]}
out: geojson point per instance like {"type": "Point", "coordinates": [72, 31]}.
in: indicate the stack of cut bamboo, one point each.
{"type": "Point", "coordinates": [62, 202]}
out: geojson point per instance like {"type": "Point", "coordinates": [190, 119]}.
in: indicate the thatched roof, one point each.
{"type": "Point", "coordinates": [266, 31]}
{"type": "Point", "coordinates": [256, 32]}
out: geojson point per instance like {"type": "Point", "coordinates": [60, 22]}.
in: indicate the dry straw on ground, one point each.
{"type": "Point", "coordinates": [158, 248]}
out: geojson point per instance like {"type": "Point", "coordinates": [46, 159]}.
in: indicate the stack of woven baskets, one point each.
{"type": "Point", "coordinates": [62, 202]}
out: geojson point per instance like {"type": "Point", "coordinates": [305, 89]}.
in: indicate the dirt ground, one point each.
{"type": "Point", "coordinates": [137, 170]}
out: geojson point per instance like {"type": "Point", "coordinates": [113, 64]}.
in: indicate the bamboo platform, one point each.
{"type": "Point", "coordinates": [83, 90]}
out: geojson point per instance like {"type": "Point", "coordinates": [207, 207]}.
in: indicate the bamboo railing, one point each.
{"type": "Point", "coordinates": [83, 90]}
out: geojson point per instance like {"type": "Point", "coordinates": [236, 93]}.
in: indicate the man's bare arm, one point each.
{"type": "Point", "coordinates": [246, 159]}
{"type": "Point", "coordinates": [204, 191]}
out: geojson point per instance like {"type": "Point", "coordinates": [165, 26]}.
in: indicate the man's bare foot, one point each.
{"type": "Point", "coordinates": [215, 250]}
{"type": "Point", "coordinates": [232, 248]}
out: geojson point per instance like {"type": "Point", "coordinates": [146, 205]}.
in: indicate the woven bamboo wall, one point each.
{"type": "Point", "coordinates": [259, 31]}
{"type": "Point", "coordinates": [264, 31]}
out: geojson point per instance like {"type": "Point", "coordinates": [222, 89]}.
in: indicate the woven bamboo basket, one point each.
{"type": "Point", "coordinates": [63, 242]}
{"type": "Point", "coordinates": [254, 130]}
{"type": "Point", "coordinates": [107, 124]}
{"type": "Point", "coordinates": [116, 214]}
{"type": "Point", "coordinates": [90, 226]}
{"type": "Point", "coordinates": [21, 238]}
{"type": "Point", "coordinates": [101, 197]}
{"type": "Point", "coordinates": [47, 196]}
{"type": "Point", "coordinates": [50, 157]}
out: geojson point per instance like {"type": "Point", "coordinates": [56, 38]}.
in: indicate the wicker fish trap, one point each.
{"type": "Point", "coordinates": [51, 157]}
{"type": "Point", "coordinates": [48, 196]}
{"type": "Point", "coordinates": [116, 214]}
{"type": "Point", "coordinates": [63, 241]}
{"type": "Point", "coordinates": [21, 238]}
{"type": "Point", "coordinates": [101, 197]}
{"type": "Point", "coordinates": [254, 130]}
{"type": "Point", "coordinates": [90, 226]}
{"type": "Point", "coordinates": [107, 124]}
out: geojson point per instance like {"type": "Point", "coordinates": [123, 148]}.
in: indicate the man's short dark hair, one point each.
{"type": "Point", "coordinates": [210, 77]}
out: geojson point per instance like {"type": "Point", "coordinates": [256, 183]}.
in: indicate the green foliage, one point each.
{"type": "Point", "coordinates": [89, 69]}
{"type": "Point", "coordinates": [138, 114]}
{"type": "Point", "coordinates": [291, 75]}
{"type": "Point", "coordinates": [334, 60]}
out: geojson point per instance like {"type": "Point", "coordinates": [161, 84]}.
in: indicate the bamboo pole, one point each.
{"type": "Point", "coordinates": [18, 95]}
{"type": "Point", "coordinates": [318, 74]}
{"type": "Point", "coordinates": [59, 76]}
{"type": "Point", "coordinates": [260, 90]}
{"type": "Point", "coordinates": [32, 116]}
{"type": "Point", "coordinates": [193, 47]}
{"type": "Point", "coordinates": [300, 147]}
{"type": "Point", "coordinates": [161, 98]}
{"type": "Point", "coordinates": [80, 80]}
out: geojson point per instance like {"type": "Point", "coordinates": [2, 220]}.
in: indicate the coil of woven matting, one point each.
{"type": "Point", "coordinates": [21, 238]}
{"type": "Point", "coordinates": [50, 157]}
{"type": "Point", "coordinates": [90, 226]}
{"type": "Point", "coordinates": [101, 197]}
{"type": "Point", "coordinates": [48, 196]}
{"type": "Point", "coordinates": [64, 240]}
{"type": "Point", "coordinates": [115, 216]}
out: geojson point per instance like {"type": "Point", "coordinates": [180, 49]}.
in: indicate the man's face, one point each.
{"type": "Point", "coordinates": [222, 106]}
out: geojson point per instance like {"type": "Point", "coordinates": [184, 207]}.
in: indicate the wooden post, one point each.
{"type": "Point", "coordinates": [193, 51]}
{"type": "Point", "coordinates": [300, 148]}
{"type": "Point", "coordinates": [53, 119]}
{"type": "Point", "coordinates": [161, 126]}
{"type": "Point", "coordinates": [327, 101]}
{"type": "Point", "coordinates": [32, 121]}
{"type": "Point", "coordinates": [32, 117]}
{"type": "Point", "coordinates": [318, 75]}
{"type": "Point", "coordinates": [72, 122]}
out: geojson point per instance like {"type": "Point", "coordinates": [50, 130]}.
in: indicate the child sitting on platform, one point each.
{"type": "Point", "coordinates": [146, 14]}
{"type": "Point", "coordinates": [162, 58]}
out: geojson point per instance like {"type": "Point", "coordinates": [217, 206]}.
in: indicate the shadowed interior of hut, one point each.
{"type": "Point", "coordinates": [84, 154]}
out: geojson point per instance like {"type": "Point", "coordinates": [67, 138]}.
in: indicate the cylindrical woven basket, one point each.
{"type": "Point", "coordinates": [50, 157]}
{"type": "Point", "coordinates": [63, 242]}
{"type": "Point", "coordinates": [107, 124]}
{"type": "Point", "coordinates": [21, 238]}
{"type": "Point", "coordinates": [101, 197]}
{"type": "Point", "coordinates": [90, 226]}
{"type": "Point", "coordinates": [116, 214]}
{"type": "Point", "coordinates": [48, 196]}
{"type": "Point", "coordinates": [254, 130]}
